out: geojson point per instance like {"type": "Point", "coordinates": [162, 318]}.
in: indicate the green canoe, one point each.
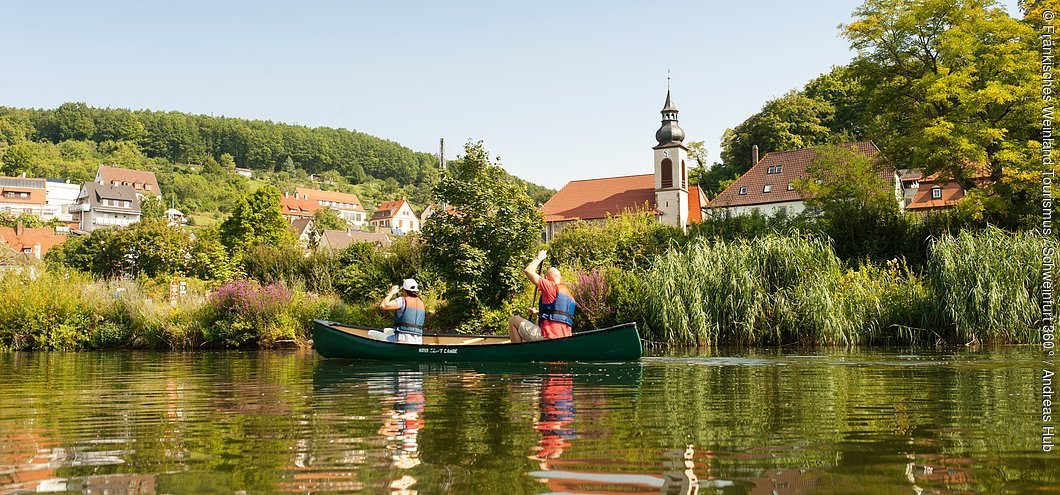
{"type": "Point", "coordinates": [617, 343]}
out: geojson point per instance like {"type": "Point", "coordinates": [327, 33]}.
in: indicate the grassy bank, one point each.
{"type": "Point", "coordinates": [67, 310]}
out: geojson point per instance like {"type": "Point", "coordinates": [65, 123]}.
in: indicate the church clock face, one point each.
{"type": "Point", "coordinates": [666, 154]}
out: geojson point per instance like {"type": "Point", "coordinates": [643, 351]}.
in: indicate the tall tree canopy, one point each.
{"type": "Point", "coordinates": [479, 244]}
{"type": "Point", "coordinates": [953, 87]}
{"type": "Point", "coordinates": [256, 220]}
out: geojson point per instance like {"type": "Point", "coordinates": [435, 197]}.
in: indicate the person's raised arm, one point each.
{"type": "Point", "coordinates": [531, 269]}
{"type": "Point", "coordinates": [388, 302]}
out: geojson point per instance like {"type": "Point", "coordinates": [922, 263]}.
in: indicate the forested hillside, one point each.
{"type": "Point", "coordinates": [194, 155]}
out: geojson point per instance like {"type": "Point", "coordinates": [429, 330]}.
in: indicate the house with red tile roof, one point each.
{"type": "Point", "coordinates": [665, 193]}
{"type": "Point", "coordinates": [143, 182]}
{"type": "Point", "coordinates": [769, 187]}
{"type": "Point", "coordinates": [33, 242]}
{"type": "Point", "coordinates": [293, 207]}
{"type": "Point", "coordinates": [347, 205]}
{"type": "Point", "coordinates": [937, 191]}
{"type": "Point", "coordinates": [396, 217]}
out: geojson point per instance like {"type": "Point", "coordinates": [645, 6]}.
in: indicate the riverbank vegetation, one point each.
{"type": "Point", "coordinates": [859, 272]}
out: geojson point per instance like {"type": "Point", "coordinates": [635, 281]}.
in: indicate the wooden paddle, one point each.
{"type": "Point", "coordinates": [533, 300]}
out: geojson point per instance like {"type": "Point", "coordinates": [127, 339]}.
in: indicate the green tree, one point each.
{"type": "Point", "coordinates": [209, 259]}
{"type": "Point", "coordinates": [790, 122]}
{"type": "Point", "coordinates": [953, 87]}
{"type": "Point", "coordinates": [328, 219]}
{"type": "Point", "coordinates": [843, 90]}
{"type": "Point", "coordinates": [858, 207]}
{"type": "Point", "coordinates": [152, 248]}
{"type": "Point", "coordinates": [256, 220]}
{"type": "Point", "coordinates": [19, 158]}
{"type": "Point", "coordinates": [481, 244]}
{"type": "Point", "coordinates": [152, 208]}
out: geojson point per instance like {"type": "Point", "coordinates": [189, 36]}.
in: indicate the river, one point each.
{"type": "Point", "coordinates": [738, 422]}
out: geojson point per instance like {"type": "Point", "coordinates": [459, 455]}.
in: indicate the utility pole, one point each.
{"type": "Point", "coordinates": [441, 154]}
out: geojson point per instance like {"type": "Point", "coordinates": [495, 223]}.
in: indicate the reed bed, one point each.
{"type": "Point", "coordinates": [792, 289]}
{"type": "Point", "coordinates": [987, 286]}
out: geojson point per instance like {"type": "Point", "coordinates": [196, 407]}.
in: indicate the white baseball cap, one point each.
{"type": "Point", "coordinates": [410, 285]}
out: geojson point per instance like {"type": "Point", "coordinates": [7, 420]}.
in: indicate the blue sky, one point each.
{"type": "Point", "coordinates": [559, 90]}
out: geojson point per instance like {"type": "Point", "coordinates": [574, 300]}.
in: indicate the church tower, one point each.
{"type": "Point", "coordinates": [671, 170]}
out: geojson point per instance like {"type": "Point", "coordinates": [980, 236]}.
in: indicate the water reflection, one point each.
{"type": "Point", "coordinates": [761, 423]}
{"type": "Point", "coordinates": [556, 412]}
{"type": "Point", "coordinates": [402, 425]}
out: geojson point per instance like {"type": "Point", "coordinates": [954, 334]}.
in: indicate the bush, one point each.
{"type": "Point", "coordinates": [242, 310]}
{"type": "Point", "coordinates": [627, 241]}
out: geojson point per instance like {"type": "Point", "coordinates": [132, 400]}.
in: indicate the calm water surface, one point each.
{"type": "Point", "coordinates": [736, 423]}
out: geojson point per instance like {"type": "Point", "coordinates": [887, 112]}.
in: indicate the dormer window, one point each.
{"type": "Point", "coordinates": [936, 192]}
{"type": "Point", "coordinates": [776, 169]}
{"type": "Point", "coordinates": [767, 188]}
{"type": "Point", "coordinates": [791, 186]}
{"type": "Point", "coordinates": [743, 190]}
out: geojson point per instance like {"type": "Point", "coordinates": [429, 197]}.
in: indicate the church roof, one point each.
{"type": "Point", "coordinates": [592, 199]}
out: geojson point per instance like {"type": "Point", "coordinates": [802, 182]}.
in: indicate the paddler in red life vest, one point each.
{"type": "Point", "coordinates": [556, 310]}
{"type": "Point", "coordinates": [409, 315]}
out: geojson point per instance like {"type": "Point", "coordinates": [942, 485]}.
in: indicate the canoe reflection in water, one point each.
{"type": "Point", "coordinates": [401, 426]}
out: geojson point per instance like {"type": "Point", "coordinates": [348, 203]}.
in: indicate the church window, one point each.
{"type": "Point", "coordinates": [684, 176]}
{"type": "Point", "coordinates": [667, 173]}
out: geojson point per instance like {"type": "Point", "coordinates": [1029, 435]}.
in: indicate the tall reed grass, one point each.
{"type": "Point", "coordinates": [781, 289]}
{"type": "Point", "coordinates": [987, 286]}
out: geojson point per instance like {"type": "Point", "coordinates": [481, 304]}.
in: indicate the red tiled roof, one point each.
{"type": "Point", "coordinates": [598, 198]}
{"type": "Point", "coordinates": [28, 238]}
{"type": "Point", "coordinates": [592, 199]}
{"type": "Point", "coordinates": [792, 167]}
{"type": "Point", "coordinates": [388, 209]}
{"type": "Point", "coordinates": [696, 201]}
{"type": "Point", "coordinates": [333, 196]}
{"type": "Point", "coordinates": [295, 207]}
{"type": "Point", "coordinates": [37, 194]}
{"type": "Point", "coordinates": [951, 192]}
{"type": "Point", "coordinates": [124, 176]}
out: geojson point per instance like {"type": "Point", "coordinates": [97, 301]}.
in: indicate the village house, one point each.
{"type": "Point", "coordinates": [32, 242]}
{"type": "Point", "coordinates": [303, 229]}
{"type": "Point", "coordinates": [395, 217]}
{"type": "Point", "coordinates": [921, 194]}
{"type": "Point", "coordinates": [106, 205]}
{"type": "Point", "coordinates": [347, 205]}
{"type": "Point", "coordinates": [142, 182]}
{"type": "Point", "coordinates": [293, 207]}
{"type": "Point", "coordinates": [337, 240]}
{"type": "Point", "coordinates": [665, 193]}
{"type": "Point", "coordinates": [770, 186]}
{"type": "Point", "coordinates": [19, 195]}
{"type": "Point", "coordinates": [59, 196]}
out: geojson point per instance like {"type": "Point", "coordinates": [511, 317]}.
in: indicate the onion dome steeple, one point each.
{"type": "Point", "coordinates": [669, 132]}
